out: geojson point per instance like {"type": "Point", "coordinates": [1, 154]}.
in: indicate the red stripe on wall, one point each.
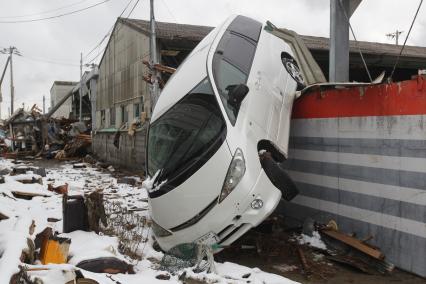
{"type": "Point", "coordinates": [403, 98]}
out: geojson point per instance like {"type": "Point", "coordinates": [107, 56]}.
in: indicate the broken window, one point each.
{"type": "Point", "coordinates": [124, 114]}
{"type": "Point", "coordinates": [112, 116]}
{"type": "Point", "coordinates": [137, 112]}
{"type": "Point", "coordinates": [185, 137]}
{"type": "Point", "coordinates": [103, 118]}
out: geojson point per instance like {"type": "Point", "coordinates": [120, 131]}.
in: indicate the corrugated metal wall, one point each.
{"type": "Point", "coordinates": [120, 74]}
{"type": "Point", "coordinates": [358, 156]}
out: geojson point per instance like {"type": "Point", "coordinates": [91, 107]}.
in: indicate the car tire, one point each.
{"type": "Point", "coordinates": [279, 178]}
{"type": "Point", "coordinates": [293, 70]}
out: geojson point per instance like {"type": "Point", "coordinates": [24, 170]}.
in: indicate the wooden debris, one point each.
{"type": "Point", "coordinates": [30, 180]}
{"type": "Point", "coordinates": [354, 243]}
{"type": "Point", "coordinates": [96, 210]}
{"type": "Point", "coordinates": [305, 266]}
{"type": "Point", "coordinates": [3, 216]}
{"type": "Point", "coordinates": [27, 195]}
{"type": "Point", "coordinates": [164, 276]}
{"type": "Point", "coordinates": [62, 189]}
{"type": "Point", "coordinates": [42, 237]}
{"type": "Point", "coordinates": [109, 265]}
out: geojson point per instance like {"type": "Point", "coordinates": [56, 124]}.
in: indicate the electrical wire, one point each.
{"type": "Point", "coordinates": [102, 51]}
{"type": "Point", "coordinates": [55, 16]}
{"type": "Point", "coordinates": [170, 12]}
{"type": "Point", "coordinates": [405, 41]}
{"type": "Point", "coordinates": [44, 12]}
{"type": "Point", "coordinates": [50, 61]}
{"type": "Point", "coordinates": [108, 33]}
{"type": "Point", "coordinates": [356, 41]}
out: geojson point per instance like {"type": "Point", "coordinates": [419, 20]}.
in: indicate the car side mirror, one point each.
{"type": "Point", "coordinates": [236, 94]}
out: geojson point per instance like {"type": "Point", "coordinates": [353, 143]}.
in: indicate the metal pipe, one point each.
{"type": "Point", "coordinates": [154, 59]}
{"type": "Point", "coordinates": [81, 86]}
{"type": "Point", "coordinates": [12, 88]}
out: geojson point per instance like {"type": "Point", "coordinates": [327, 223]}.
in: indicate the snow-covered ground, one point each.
{"type": "Point", "coordinates": [14, 232]}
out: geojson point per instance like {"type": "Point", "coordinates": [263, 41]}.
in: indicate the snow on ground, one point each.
{"type": "Point", "coordinates": [88, 245]}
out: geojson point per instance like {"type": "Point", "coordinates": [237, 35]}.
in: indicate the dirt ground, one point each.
{"type": "Point", "coordinates": [280, 257]}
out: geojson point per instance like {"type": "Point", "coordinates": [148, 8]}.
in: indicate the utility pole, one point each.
{"type": "Point", "coordinates": [1, 80]}
{"type": "Point", "coordinates": [44, 104]}
{"type": "Point", "coordinates": [81, 85]}
{"type": "Point", "coordinates": [340, 13]}
{"type": "Point", "coordinates": [395, 36]}
{"type": "Point", "coordinates": [11, 51]}
{"type": "Point", "coordinates": [154, 60]}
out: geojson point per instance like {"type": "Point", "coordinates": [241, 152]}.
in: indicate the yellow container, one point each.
{"type": "Point", "coordinates": [55, 250]}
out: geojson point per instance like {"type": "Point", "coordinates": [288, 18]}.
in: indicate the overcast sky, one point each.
{"type": "Point", "coordinates": [51, 49]}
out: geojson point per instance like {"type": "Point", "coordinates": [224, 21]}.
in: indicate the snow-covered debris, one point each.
{"type": "Point", "coordinates": [13, 240]}
{"type": "Point", "coordinates": [127, 198]}
{"type": "Point", "coordinates": [149, 183]}
{"type": "Point", "coordinates": [314, 241]}
{"type": "Point", "coordinates": [89, 245]}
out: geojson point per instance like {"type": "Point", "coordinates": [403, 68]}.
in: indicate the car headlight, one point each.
{"type": "Point", "coordinates": [160, 231]}
{"type": "Point", "coordinates": [235, 173]}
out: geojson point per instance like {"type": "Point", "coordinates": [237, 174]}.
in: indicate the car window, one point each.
{"type": "Point", "coordinates": [227, 76]}
{"type": "Point", "coordinates": [233, 59]}
{"type": "Point", "coordinates": [238, 50]}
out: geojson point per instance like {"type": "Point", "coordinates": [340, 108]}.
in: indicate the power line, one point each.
{"type": "Point", "coordinates": [170, 12]}
{"type": "Point", "coordinates": [131, 11]}
{"type": "Point", "coordinates": [55, 16]}
{"type": "Point", "coordinates": [44, 12]}
{"type": "Point", "coordinates": [108, 33]}
{"type": "Point", "coordinates": [50, 61]}
{"type": "Point", "coordinates": [405, 41]}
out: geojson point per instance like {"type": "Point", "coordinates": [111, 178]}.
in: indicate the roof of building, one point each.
{"type": "Point", "coordinates": [65, 83]}
{"type": "Point", "coordinates": [169, 31]}
{"type": "Point", "coordinates": [172, 31]}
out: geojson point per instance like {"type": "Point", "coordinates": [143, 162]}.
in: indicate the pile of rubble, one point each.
{"type": "Point", "coordinates": [311, 251]}
{"type": "Point", "coordinates": [76, 223]}
{"type": "Point", "coordinates": [31, 134]}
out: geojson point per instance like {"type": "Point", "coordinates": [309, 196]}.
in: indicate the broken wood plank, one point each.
{"type": "Point", "coordinates": [355, 243]}
{"type": "Point", "coordinates": [27, 195]}
{"type": "Point", "coordinates": [303, 261]}
{"type": "Point", "coordinates": [3, 216]}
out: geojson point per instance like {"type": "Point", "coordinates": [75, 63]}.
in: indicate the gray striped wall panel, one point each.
{"type": "Point", "coordinates": [369, 185]}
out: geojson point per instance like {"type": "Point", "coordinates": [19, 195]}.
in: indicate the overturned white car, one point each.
{"type": "Point", "coordinates": [218, 133]}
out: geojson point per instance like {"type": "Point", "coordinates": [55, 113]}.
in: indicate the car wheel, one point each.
{"type": "Point", "coordinates": [279, 178]}
{"type": "Point", "coordinates": [293, 70]}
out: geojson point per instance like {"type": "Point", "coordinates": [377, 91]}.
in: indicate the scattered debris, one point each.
{"type": "Point", "coordinates": [95, 210]}
{"type": "Point", "coordinates": [110, 265]}
{"type": "Point", "coordinates": [354, 243]}
{"type": "Point", "coordinates": [74, 214]}
{"type": "Point", "coordinates": [61, 189]}
{"type": "Point", "coordinates": [54, 250]}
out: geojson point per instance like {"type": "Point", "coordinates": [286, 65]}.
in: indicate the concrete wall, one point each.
{"type": "Point", "coordinates": [130, 154]}
{"type": "Point", "coordinates": [358, 156]}
{"type": "Point", "coordinates": [57, 92]}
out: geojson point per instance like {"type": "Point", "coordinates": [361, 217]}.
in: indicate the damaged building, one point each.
{"type": "Point", "coordinates": [123, 103]}
{"type": "Point", "coordinates": [58, 91]}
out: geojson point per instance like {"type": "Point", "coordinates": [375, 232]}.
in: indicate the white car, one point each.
{"type": "Point", "coordinates": [217, 135]}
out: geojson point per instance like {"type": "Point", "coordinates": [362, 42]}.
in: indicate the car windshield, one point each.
{"type": "Point", "coordinates": [187, 135]}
